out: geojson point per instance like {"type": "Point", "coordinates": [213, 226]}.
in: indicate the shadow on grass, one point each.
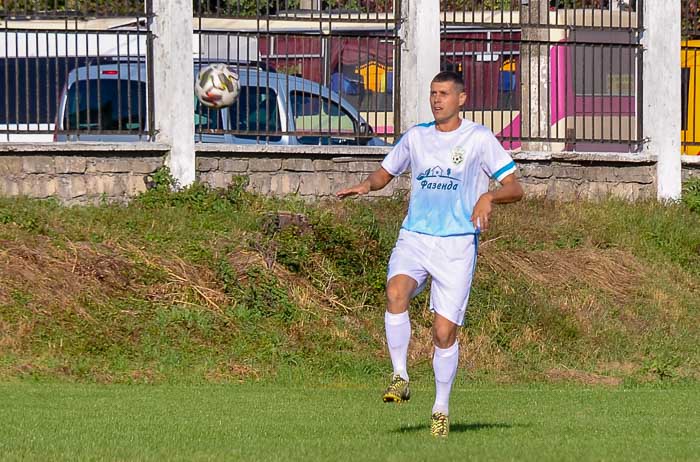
{"type": "Point", "coordinates": [456, 427]}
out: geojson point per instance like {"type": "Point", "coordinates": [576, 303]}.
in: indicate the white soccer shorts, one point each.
{"type": "Point", "coordinates": [450, 261]}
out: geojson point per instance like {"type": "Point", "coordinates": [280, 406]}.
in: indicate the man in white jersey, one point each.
{"type": "Point", "coordinates": [452, 161]}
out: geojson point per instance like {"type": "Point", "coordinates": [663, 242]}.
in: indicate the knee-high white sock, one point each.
{"type": "Point", "coordinates": [445, 366]}
{"type": "Point", "coordinates": [398, 334]}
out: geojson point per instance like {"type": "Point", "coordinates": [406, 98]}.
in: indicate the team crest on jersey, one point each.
{"type": "Point", "coordinates": [458, 155]}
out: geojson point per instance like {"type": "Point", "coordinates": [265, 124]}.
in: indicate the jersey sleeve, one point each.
{"type": "Point", "coordinates": [399, 158]}
{"type": "Point", "coordinates": [495, 160]}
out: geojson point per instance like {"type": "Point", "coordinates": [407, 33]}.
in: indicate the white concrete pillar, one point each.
{"type": "Point", "coordinates": [420, 59]}
{"type": "Point", "coordinates": [662, 93]}
{"type": "Point", "coordinates": [174, 83]}
{"type": "Point", "coordinates": [534, 75]}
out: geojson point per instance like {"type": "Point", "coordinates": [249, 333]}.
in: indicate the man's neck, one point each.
{"type": "Point", "coordinates": [448, 126]}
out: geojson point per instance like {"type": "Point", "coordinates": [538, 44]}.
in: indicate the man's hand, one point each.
{"type": "Point", "coordinates": [510, 191]}
{"type": "Point", "coordinates": [482, 212]}
{"type": "Point", "coordinates": [357, 190]}
{"type": "Point", "coordinates": [377, 180]}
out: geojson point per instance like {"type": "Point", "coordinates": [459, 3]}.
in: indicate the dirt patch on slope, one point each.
{"type": "Point", "coordinates": [39, 274]}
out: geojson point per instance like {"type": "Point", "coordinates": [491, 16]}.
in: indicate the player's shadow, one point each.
{"type": "Point", "coordinates": [456, 427]}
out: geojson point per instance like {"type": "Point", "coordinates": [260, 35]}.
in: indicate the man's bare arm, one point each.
{"type": "Point", "coordinates": [376, 180]}
{"type": "Point", "coordinates": [510, 191]}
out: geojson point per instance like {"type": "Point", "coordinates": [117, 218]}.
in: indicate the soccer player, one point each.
{"type": "Point", "coordinates": [452, 161]}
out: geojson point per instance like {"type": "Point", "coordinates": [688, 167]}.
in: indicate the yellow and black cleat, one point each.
{"type": "Point", "coordinates": [439, 425]}
{"type": "Point", "coordinates": [397, 391]}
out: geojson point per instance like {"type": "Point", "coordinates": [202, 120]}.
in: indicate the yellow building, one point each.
{"type": "Point", "coordinates": [374, 76]}
{"type": "Point", "coordinates": [690, 128]}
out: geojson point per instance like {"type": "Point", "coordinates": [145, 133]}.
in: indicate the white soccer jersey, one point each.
{"type": "Point", "coordinates": [450, 171]}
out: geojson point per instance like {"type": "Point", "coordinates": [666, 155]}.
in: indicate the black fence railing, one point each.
{"type": "Point", "coordinates": [75, 70]}
{"type": "Point", "coordinates": [560, 13]}
{"type": "Point", "coordinates": [563, 72]}
{"type": "Point", "coordinates": [566, 73]}
{"type": "Point", "coordinates": [301, 10]}
{"type": "Point", "coordinates": [71, 9]}
{"type": "Point", "coordinates": [310, 73]}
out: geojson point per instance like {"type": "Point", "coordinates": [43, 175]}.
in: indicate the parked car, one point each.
{"type": "Point", "coordinates": [35, 64]}
{"type": "Point", "coordinates": [109, 103]}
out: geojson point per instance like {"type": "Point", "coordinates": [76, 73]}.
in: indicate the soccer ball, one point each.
{"type": "Point", "coordinates": [217, 86]}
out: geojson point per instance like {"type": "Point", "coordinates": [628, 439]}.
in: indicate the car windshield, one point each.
{"type": "Point", "coordinates": [106, 104]}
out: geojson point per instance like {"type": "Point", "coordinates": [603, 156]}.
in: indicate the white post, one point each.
{"type": "Point", "coordinates": [420, 59]}
{"type": "Point", "coordinates": [662, 93]}
{"type": "Point", "coordinates": [534, 84]}
{"type": "Point", "coordinates": [173, 85]}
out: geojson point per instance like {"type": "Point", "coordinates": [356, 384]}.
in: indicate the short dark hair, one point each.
{"type": "Point", "coordinates": [450, 76]}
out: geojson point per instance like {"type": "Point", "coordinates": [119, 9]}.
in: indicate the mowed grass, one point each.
{"type": "Point", "coordinates": [258, 422]}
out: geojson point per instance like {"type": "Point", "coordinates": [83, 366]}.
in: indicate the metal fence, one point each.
{"type": "Point", "coordinates": [562, 72]}
{"type": "Point", "coordinates": [74, 69]}
{"type": "Point", "coordinates": [310, 73]}
{"type": "Point", "coordinates": [690, 80]}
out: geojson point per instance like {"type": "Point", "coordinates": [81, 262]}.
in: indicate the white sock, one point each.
{"type": "Point", "coordinates": [398, 334]}
{"type": "Point", "coordinates": [445, 367]}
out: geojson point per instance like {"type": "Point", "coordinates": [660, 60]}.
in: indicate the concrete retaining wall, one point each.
{"type": "Point", "coordinates": [313, 173]}
{"type": "Point", "coordinates": [589, 176]}
{"type": "Point", "coordinates": [90, 172]}
{"type": "Point", "coordinates": [78, 173]}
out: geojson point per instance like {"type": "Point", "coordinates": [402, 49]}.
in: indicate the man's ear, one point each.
{"type": "Point", "coordinates": [462, 98]}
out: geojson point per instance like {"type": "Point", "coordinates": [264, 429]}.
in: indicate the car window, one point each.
{"type": "Point", "coordinates": [32, 88]}
{"type": "Point", "coordinates": [106, 104]}
{"type": "Point", "coordinates": [255, 114]}
{"type": "Point", "coordinates": [315, 114]}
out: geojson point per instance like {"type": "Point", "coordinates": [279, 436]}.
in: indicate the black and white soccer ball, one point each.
{"type": "Point", "coordinates": [217, 86]}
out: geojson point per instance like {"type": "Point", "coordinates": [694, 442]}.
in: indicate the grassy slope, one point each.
{"type": "Point", "coordinates": [198, 286]}
{"type": "Point", "coordinates": [240, 422]}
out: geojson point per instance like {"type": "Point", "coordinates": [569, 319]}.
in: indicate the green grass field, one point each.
{"type": "Point", "coordinates": [192, 326]}
{"type": "Point", "coordinates": [243, 422]}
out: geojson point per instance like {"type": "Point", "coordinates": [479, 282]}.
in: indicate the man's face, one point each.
{"type": "Point", "coordinates": [446, 101]}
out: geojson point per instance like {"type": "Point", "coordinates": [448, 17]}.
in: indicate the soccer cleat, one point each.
{"type": "Point", "coordinates": [397, 391]}
{"type": "Point", "coordinates": [439, 425]}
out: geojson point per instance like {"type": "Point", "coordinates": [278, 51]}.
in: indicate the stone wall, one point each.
{"type": "Point", "coordinates": [77, 175]}
{"type": "Point", "coordinates": [691, 167]}
{"type": "Point", "coordinates": [314, 172]}
{"type": "Point", "coordinates": [309, 176]}
{"type": "Point", "coordinates": [588, 176]}
{"type": "Point", "coordinates": [88, 173]}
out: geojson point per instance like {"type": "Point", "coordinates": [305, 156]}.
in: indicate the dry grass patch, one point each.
{"type": "Point", "coordinates": [53, 276]}
{"type": "Point", "coordinates": [588, 378]}
{"type": "Point", "coordinates": [231, 370]}
{"type": "Point", "coordinates": [615, 272]}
